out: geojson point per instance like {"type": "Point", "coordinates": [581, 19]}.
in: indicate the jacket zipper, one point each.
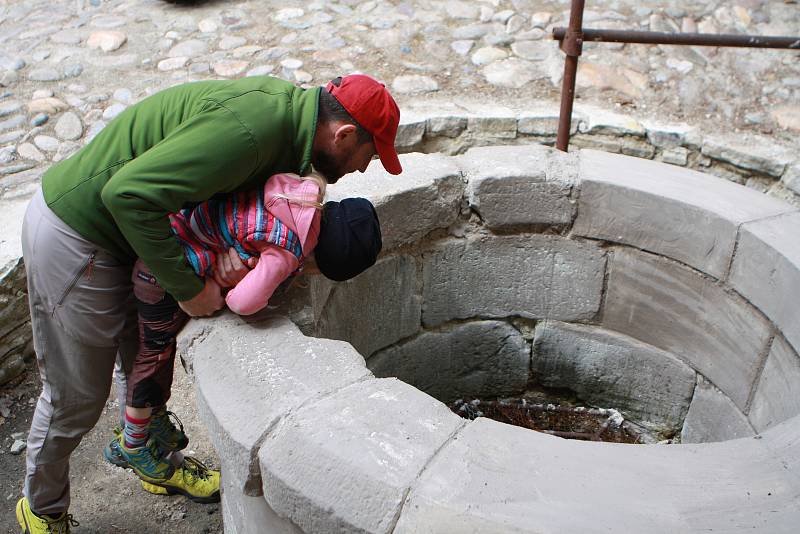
{"type": "Point", "coordinates": [87, 268]}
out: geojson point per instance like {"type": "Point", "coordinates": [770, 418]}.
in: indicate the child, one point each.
{"type": "Point", "coordinates": [280, 223]}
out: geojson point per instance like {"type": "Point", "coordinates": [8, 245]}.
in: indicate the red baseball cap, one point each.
{"type": "Point", "coordinates": [370, 104]}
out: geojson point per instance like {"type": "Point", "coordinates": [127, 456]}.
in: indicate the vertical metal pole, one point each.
{"type": "Point", "coordinates": [571, 45]}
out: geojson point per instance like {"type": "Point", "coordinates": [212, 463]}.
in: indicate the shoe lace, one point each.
{"type": "Point", "coordinates": [162, 421]}
{"type": "Point", "coordinates": [195, 469]}
{"type": "Point", "coordinates": [61, 525]}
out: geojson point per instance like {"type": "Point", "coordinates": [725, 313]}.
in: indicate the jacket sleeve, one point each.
{"type": "Point", "coordinates": [253, 292]}
{"type": "Point", "coordinates": [210, 153]}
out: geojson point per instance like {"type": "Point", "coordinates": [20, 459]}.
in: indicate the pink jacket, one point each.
{"type": "Point", "coordinates": [275, 263]}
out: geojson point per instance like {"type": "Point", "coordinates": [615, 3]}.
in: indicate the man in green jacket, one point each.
{"type": "Point", "coordinates": [108, 204]}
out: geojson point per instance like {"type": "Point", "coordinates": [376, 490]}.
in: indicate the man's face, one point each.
{"type": "Point", "coordinates": [343, 156]}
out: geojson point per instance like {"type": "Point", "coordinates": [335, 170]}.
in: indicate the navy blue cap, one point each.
{"type": "Point", "coordinates": [349, 238]}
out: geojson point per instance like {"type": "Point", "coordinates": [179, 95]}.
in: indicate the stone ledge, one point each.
{"type": "Point", "coordinates": [658, 208]}
{"type": "Point", "coordinates": [776, 397]}
{"type": "Point", "coordinates": [713, 417]}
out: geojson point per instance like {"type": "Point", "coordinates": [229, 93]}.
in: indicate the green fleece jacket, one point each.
{"type": "Point", "coordinates": [173, 149]}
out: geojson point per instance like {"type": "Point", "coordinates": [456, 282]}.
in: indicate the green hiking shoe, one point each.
{"type": "Point", "coordinates": [169, 437]}
{"type": "Point", "coordinates": [147, 462]}
{"type": "Point", "coordinates": [192, 479]}
{"type": "Point", "coordinates": [35, 524]}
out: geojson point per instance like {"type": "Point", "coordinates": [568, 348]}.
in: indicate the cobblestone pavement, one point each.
{"type": "Point", "coordinates": [68, 67]}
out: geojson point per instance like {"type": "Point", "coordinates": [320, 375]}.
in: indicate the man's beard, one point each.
{"type": "Point", "coordinates": [327, 165]}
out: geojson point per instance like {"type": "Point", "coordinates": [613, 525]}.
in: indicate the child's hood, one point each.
{"type": "Point", "coordinates": [299, 218]}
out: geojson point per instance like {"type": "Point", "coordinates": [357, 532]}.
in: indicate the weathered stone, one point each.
{"type": "Point", "coordinates": [462, 47]}
{"type": "Point", "coordinates": [787, 117]}
{"type": "Point", "coordinates": [614, 371]}
{"type": "Point", "coordinates": [430, 180]}
{"type": "Point", "coordinates": [414, 84]}
{"type": "Point", "coordinates": [207, 26]}
{"type": "Point", "coordinates": [10, 368]}
{"type": "Point", "coordinates": [231, 41]}
{"type": "Point", "coordinates": [12, 122]}
{"type": "Point", "coordinates": [533, 276]}
{"type": "Point", "coordinates": [351, 469]}
{"type": "Point", "coordinates": [713, 417]}
{"type": "Point", "coordinates": [29, 151]}
{"type": "Point", "coordinates": [15, 168]}
{"type": "Point", "coordinates": [775, 399]}
{"type": "Point", "coordinates": [492, 121]}
{"type": "Point", "coordinates": [766, 270]}
{"type": "Point", "coordinates": [621, 79]}
{"type": "Point", "coordinates": [113, 110]}
{"type": "Point", "coordinates": [410, 131]}
{"type": "Point", "coordinates": [106, 40]}
{"type": "Point", "coordinates": [512, 72]}
{"type": "Point", "coordinates": [46, 143]}
{"type": "Point", "coordinates": [675, 156]}
{"type": "Point", "coordinates": [69, 127]}
{"type": "Point", "coordinates": [44, 74]}
{"type": "Point", "coordinates": [598, 121]}
{"type": "Point", "coordinates": [7, 108]}
{"type": "Point", "coordinates": [477, 359]}
{"type": "Point", "coordinates": [532, 50]}
{"type": "Point", "coordinates": [677, 310]}
{"type": "Point", "coordinates": [230, 67]}
{"type": "Point", "coordinates": [117, 61]}
{"type": "Point", "coordinates": [749, 152]}
{"type": "Point", "coordinates": [172, 63]}
{"type": "Point", "coordinates": [791, 178]}
{"type": "Point", "coordinates": [190, 48]}
{"type": "Point", "coordinates": [39, 119]}
{"type": "Point", "coordinates": [678, 213]}
{"type": "Point", "coordinates": [489, 54]}
{"type": "Point", "coordinates": [275, 369]}
{"type": "Point", "coordinates": [261, 70]}
{"type": "Point", "coordinates": [543, 122]}
{"type": "Point", "coordinates": [637, 149]}
{"type": "Point", "coordinates": [397, 304]}
{"type": "Point", "coordinates": [450, 126]}
{"type": "Point", "coordinates": [666, 135]}
{"type": "Point", "coordinates": [509, 186]}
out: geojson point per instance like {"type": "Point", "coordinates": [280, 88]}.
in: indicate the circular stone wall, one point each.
{"type": "Point", "coordinates": [660, 287]}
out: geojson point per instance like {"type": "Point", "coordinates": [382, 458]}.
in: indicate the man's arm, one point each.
{"type": "Point", "coordinates": [210, 153]}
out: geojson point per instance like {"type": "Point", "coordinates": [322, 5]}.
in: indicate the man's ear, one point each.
{"type": "Point", "coordinates": [345, 132]}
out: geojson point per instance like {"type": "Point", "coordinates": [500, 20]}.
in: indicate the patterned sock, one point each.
{"type": "Point", "coordinates": [135, 432]}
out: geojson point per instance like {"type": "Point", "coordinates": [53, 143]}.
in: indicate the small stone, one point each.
{"type": "Point", "coordinates": [471, 31]}
{"type": "Point", "coordinates": [12, 63]}
{"type": "Point", "coordinates": [230, 67]}
{"type": "Point", "coordinates": [512, 72]}
{"type": "Point", "coordinates": [246, 51]}
{"type": "Point", "coordinates": [113, 110]}
{"type": "Point", "coordinates": [94, 129]}
{"type": "Point", "coordinates": [503, 16]}
{"type": "Point", "coordinates": [69, 127]}
{"type": "Point", "coordinates": [123, 95]}
{"type": "Point", "coordinates": [18, 446]}
{"type": "Point", "coordinates": [207, 26]}
{"type": "Point", "coordinates": [172, 63]}
{"type": "Point", "coordinates": [65, 150]}
{"type": "Point", "coordinates": [684, 67]}
{"type": "Point", "coordinates": [462, 47]}
{"type": "Point", "coordinates": [7, 155]}
{"type": "Point", "coordinates": [229, 43]}
{"type": "Point", "coordinates": [533, 50]}
{"type": "Point", "coordinates": [108, 21]}
{"type": "Point", "coordinates": [8, 78]}
{"type": "Point", "coordinates": [106, 40]}
{"type": "Point", "coordinates": [540, 19]}
{"type": "Point", "coordinates": [11, 137]}
{"type": "Point", "coordinates": [486, 14]}
{"type": "Point", "coordinates": [44, 74]}
{"type": "Point", "coordinates": [302, 76]}
{"type": "Point", "coordinates": [73, 71]}
{"type": "Point", "coordinates": [7, 108]}
{"type": "Point", "coordinates": [18, 435]}
{"type": "Point", "coordinates": [515, 24]}
{"type": "Point", "coordinates": [787, 117]}
{"type": "Point", "coordinates": [42, 93]}
{"type": "Point", "coordinates": [46, 143]}
{"type": "Point", "coordinates": [261, 70]}
{"type": "Point", "coordinates": [488, 54]}
{"type": "Point", "coordinates": [189, 49]}
{"type": "Point", "coordinates": [11, 123]}
{"type": "Point", "coordinates": [39, 119]}
{"type": "Point", "coordinates": [199, 68]}
{"type": "Point", "coordinates": [41, 54]}
{"type": "Point", "coordinates": [291, 63]}
{"type": "Point", "coordinates": [17, 167]}
{"type": "Point", "coordinates": [287, 14]}
{"type": "Point", "coordinates": [414, 84]}
{"type": "Point", "coordinates": [67, 36]}
{"type": "Point", "coordinates": [29, 151]}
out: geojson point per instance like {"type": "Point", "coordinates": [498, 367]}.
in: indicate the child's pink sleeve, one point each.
{"type": "Point", "coordinates": [254, 291]}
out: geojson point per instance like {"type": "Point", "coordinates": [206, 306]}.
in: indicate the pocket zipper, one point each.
{"type": "Point", "coordinates": [87, 268]}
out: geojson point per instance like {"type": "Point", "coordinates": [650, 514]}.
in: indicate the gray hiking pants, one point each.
{"type": "Point", "coordinates": [84, 319]}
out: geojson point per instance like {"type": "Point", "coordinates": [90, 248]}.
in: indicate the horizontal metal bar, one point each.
{"type": "Point", "coordinates": [697, 39]}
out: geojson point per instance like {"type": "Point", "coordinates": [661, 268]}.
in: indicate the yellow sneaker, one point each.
{"type": "Point", "coordinates": [34, 524]}
{"type": "Point", "coordinates": [191, 479]}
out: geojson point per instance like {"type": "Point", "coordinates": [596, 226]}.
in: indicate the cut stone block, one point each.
{"type": "Point", "coordinates": [544, 122]}
{"type": "Point", "coordinates": [599, 121]}
{"type": "Point", "coordinates": [448, 126]}
{"type": "Point", "coordinates": [614, 371]}
{"type": "Point", "coordinates": [678, 213]}
{"type": "Point", "coordinates": [547, 484]}
{"type": "Point", "coordinates": [377, 308]}
{"type": "Point", "coordinates": [425, 197]}
{"type": "Point", "coordinates": [791, 178]}
{"type": "Point", "coordinates": [250, 374]}
{"type": "Point", "coordinates": [776, 397]}
{"type": "Point", "coordinates": [479, 359]}
{"type": "Point", "coordinates": [410, 131]}
{"type": "Point", "coordinates": [510, 186]}
{"type": "Point", "coordinates": [766, 270]}
{"type": "Point", "coordinates": [346, 462]}
{"type": "Point", "coordinates": [678, 310]}
{"type": "Point", "coordinates": [491, 121]}
{"type": "Point", "coordinates": [713, 417]}
{"type": "Point", "coordinates": [243, 514]}
{"type": "Point", "coordinates": [751, 152]}
{"type": "Point", "coordinates": [533, 276]}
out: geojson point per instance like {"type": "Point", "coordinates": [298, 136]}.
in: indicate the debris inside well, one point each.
{"type": "Point", "coordinates": [570, 422]}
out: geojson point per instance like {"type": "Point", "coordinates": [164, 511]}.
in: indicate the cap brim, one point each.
{"type": "Point", "coordinates": [388, 156]}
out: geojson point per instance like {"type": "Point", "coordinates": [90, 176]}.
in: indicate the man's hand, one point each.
{"type": "Point", "coordinates": [230, 269]}
{"type": "Point", "coordinates": [206, 302]}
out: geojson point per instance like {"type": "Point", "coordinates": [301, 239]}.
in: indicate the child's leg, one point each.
{"type": "Point", "coordinates": [150, 380]}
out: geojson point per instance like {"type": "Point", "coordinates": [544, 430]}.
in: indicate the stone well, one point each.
{"type": "Point", "coordinates": [670, 293]}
